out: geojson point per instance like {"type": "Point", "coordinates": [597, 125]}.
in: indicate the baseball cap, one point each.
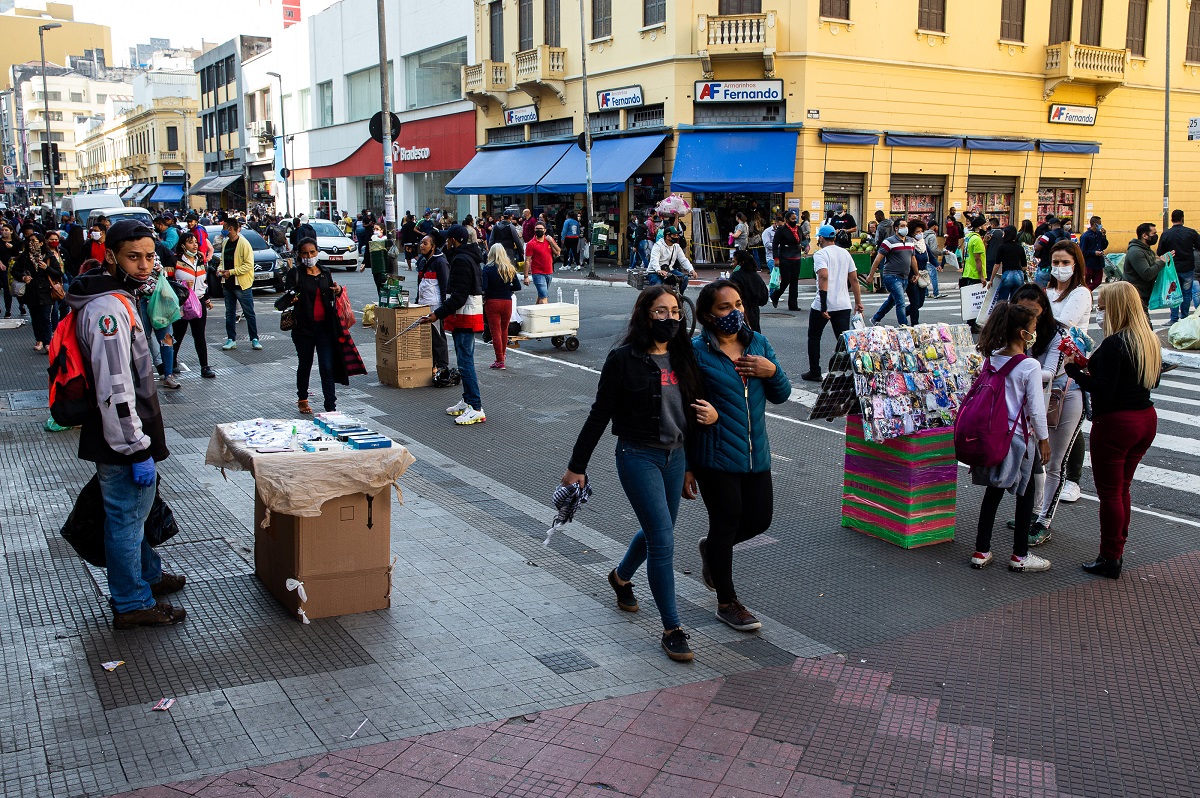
{"type": "Point", "coordinates": [127, 230]}
{"type": "Point", "coordinates": [458, 232]}
{"type": "Point", "coordinates": [671, 231]}
{"type": "Point", "coordinates": [826, 231]}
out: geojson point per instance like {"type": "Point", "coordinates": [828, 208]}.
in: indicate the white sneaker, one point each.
{"type": "Point", "coordinates": [1070, 492]}
{"type": "Point", "coordinates": [1029, 564]}
{"type": "Point", "coordinates": [981, 559]}
{"type": "Point", "coordinates": [458, 409]}
{"type": "Point", "coordinates": [470, 416]}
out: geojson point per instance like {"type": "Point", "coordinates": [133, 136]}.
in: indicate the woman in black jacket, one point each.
{"type": "Point", "coordinates": [651, 390]}
{"type": "Point", "coordinates": [750, 286]}
{"type": "Point", "coordinates": [312, 295]}
{"type": "Point", "coordinates": [75, 251]}
{"type": "Point", "coordinates": [40, 270]}
{"type": "Point", "coordinates": [8, 256]}
{"type": "Point", "coordinates": [788, 251]}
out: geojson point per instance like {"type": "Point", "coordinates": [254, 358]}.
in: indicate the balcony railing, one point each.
{"type": "Point", "coordinates": [171, 156]}
{"type": "Point", "coordinates": [485, 81]}
{"type": "Point", "coordinates": [719, 35]}
{"type": "Point", "coordinates": [1104, 67]}
{"type": "Point", "coordinates": [543, 67]}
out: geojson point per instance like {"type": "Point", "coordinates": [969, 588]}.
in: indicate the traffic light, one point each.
{"type": "Point", "coordinates": [51, 163]}
{"type": "Point", "coordinates": [46, 161]}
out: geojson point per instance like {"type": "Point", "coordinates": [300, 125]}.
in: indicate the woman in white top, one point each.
{"type": "Point", "coordinates": [1071, 303]}
{"type": "Point", "coordinates": [189, 270]}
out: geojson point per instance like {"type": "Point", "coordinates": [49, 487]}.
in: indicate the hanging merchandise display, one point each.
{"type": "Point", "coordinates": [1060, 201]}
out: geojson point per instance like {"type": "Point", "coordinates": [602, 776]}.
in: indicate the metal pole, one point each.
{"type": "Point", "coordinates": [389, 176]}
{"type": "Point", "coordinates": [1167, 130]}
{"type": "Point", "coordinates": [587, 149]}
{"type": "Point", "coordinates": [287, 205]}
{"type": "Point", "coordinates": [46, 109]}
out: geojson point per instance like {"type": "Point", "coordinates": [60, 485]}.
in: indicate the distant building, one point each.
{"type": "Point", "coordinates": [19, 33]}
{"type": "Point", "coordinates": [140, 54]}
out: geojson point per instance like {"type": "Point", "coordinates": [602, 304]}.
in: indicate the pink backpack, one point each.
{"type": "Point", "coordinates": [982, 434]}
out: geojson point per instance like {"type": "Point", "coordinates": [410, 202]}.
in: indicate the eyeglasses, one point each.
{"type": "Point", "coordinates": [663, 313]}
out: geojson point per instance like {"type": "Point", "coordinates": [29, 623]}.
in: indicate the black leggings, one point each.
{"type": "Point", "coordinates": [838, 319]}
{"type": "Point", "coordinates": [180, 328]}
{"type": "Point", "coordinates": [987, 519]}
{"type": "Point", "coordinates": [789, 275]}
{"type": "Point", "coordinates": [739, 507]}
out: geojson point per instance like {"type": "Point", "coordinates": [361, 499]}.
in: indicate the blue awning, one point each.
{"type": "Point", "coordinates": [168, 192]}
{"type": "Point", "coordinates": [613, 161]}
{"type": "Point", "coordinates": [1073, 147]}
{"type": "Point", "coordinates": [905, 140]}
{"type": "Point", "coordinates": [514, 170]}
{"type": "Point", "coordinates": [1000, 145]}
{"type": "Point", "coordinates": [762, 161]}
{"type": "Point", "coordinates": [848, 137]}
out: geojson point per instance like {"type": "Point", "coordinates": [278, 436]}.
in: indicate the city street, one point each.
{"type": "Point", "coordinates": [504, 668]}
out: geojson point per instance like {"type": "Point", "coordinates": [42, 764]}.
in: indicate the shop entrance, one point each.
{"type": "Point", "coordinates": [917, 196]}
{"type": "Point", "coordinates": [715, 215]}
{"type": "Point", "coordinates": [993, 196]}
{"type": "Point", "coordinates": [1061, 198]}
{"type": "Point", "coordinates": [844, 190]}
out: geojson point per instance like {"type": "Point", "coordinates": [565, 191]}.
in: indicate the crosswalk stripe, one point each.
{"type": "Point", "coordinates": [1190, 419]}
{"type": "Point", "coordinates": [1177, 384]}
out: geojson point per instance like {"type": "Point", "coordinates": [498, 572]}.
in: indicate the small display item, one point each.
{"type": "Point", "coordinates": [321, 446]}
{"type": "Point", "coordinates": [371, 442]}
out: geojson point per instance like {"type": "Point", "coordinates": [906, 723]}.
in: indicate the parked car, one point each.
{"type": "Point", "coordinates": [269, 268]}
{"type": "Point", "coordinates": [336, 248]}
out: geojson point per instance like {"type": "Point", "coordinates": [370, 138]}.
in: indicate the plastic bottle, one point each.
{"type": "Point", "coordinates": [560, 295]}
{"type": "Point", "coordinates": [294, 443]}
{"type": "Point", "coordinates": [576, 297]}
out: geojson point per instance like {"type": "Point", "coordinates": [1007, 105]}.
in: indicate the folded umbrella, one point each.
{"type": "Point", "coordinates": [567, 500]}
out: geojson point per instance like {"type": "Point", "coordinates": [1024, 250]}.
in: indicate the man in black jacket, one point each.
{"type": "Point", "coordinates": [1184, 241]}
{"type": "Point", "coordinates": [507, 233]}
{"type": "Point", "coordinates": [462, 315]}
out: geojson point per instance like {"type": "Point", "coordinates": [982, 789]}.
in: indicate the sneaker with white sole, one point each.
{"type": "Point", "coordinates": [1029, 563]}
{"type": "Point", "coordinates": [1069, 493]}
{"type": "Point", "coordinates": [471, 416]}
{"type": "Point", "coordinates": [458, 409]}
{"type": "Point", "coordinates": [981, 559]}
{"type": "Point", "coordinates": [229, 344]}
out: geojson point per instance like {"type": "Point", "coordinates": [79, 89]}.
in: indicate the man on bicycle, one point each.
{"type": "Point", "coordinates": [668, 264]}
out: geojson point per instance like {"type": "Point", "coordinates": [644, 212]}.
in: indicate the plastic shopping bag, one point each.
{"type": "Point", "coordinates": [191, 308]}
{"type": "Point", "coordinates": [369, 314]}
{"type": "Point", "coordinates": [344, 309]}
{"type": "Point", "coordinates": [1166, 292]}
{"type": "Point", "coordinates": [1185, 333]}
{"type": "Point", "coordinates": [775, 281]}
{"type": "Point", "coordinates": [163, 305]}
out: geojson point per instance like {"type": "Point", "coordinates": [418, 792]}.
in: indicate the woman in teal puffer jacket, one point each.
{"type": "Point", "coordinates": [731, 460]}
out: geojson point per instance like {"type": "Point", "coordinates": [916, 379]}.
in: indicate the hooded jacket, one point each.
{"type": "Point", "coordinates": [1141, 269]}
{"type": "Point", "coordinates": [126, 426]}
{"type": "Point", "coordinates": [433, 275]}
{"type": "Point", "coordinates": [463, 308]}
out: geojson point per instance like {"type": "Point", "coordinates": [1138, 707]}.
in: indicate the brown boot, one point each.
{"type": "Point", "coordinates": [170, 583]}
{"type": "Point", "coordinates": [161, 614]}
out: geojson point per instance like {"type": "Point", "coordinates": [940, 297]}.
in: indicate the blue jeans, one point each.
{"type": "Point", "coordinates": [653, 483]}
{"type": "Point", "coordinates": [933, 275]}
{"type": "Point", "coordinates": [542, 283]}
{"type": "Point", "coordinates": [896, 287]}
{"type": "Point", "coordinates": [234, 296]}
{"type": "Point", "coordinates": [681, 277]}
{"type": "Point", "coordinates": [167, 352]}
{"type": "Point", "coordinates": [1187, 283]}
{"type": "Point", "coordinates": [132, 565]}
{"type": "Point", "coordinates": [1010, 281]}
{"type": "Point", "coordinates": [464, 353]}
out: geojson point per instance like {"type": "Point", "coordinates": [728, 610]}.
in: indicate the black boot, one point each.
{"type": "Point", "coordinates": [1103, 567]}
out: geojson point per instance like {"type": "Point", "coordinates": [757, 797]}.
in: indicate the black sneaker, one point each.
{"type": "Point", "coordinates": [625, 598]}
{"type": "Point", "coordinates": [675, 643]}
{"type": "Point", "coordinates": [811, 376]}
{"type": "Point", "coordinates": [161, 614]}
{"type": "Point", "coordinates": [705, 574]}
{"type": "Point", "coordinates": [1039, 534]}
{"type": "Point", "coordinates": [735, 615]}
{"type": "Point", "coordinates": [208, 372]}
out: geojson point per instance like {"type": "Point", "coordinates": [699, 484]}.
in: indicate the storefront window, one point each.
{"type": "Point", "coordinates": [924, 206]}
{"type": "Point", "coordinates": [648, 191]}
{"type": "Point", "coordinates": [1062, 202]}
{"type": "Point", "coordinates": [373, 193]}
{"type": "Point", "coordinates": [324, 194]}
{"type": "Point", "coordinates": [718, 213]}
{"type": "Point", "coordinates": [991, 204]}
{"type": "Point", "coordinates": [430, 194]}
{"type": "Point", "coordinates": [432, 76]}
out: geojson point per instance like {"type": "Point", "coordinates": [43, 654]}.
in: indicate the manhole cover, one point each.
{"type": "Point", "coordinates": [28, 400]}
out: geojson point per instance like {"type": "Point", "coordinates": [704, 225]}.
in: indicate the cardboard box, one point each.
{"type": "Point", "coordinates": [404, 373]}
{"type": "Point", "coordinates": [416, 344]}
{"type": "Point", "coordinates": [343, 556]}
{"type": "Point", "coordinates": [549, 318]}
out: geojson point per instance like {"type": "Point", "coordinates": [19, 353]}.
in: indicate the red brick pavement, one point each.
{"type": "Point", "coordinates": [1091, 691]}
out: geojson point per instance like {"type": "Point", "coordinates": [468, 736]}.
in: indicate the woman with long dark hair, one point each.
{"type": "Point", "coordinates": [750, 286]}
{"type": "Point", "coordinates": [190, 270]}
{"type": "Point", "coordinates": [8, 257]}
{"type": "Point", "coordinates": [75, 251]}
{"type": "Point", "coordinates": [312, 294]}
{"type": "Point", "coordinates": [731, 460]}
{"type": "Point", "coordinates": [40, 270]}
{"type": "Point", "coordinates": [651, 390]}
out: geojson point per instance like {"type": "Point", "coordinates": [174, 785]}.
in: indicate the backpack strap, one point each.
{"type": "Point", "coordinates": [1007, 368]}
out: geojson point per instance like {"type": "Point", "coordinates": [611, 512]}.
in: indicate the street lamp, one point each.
{"type": "Point", "coordinates": [287, 206]}
{"type": "Point", "coordinates": [46, 106]}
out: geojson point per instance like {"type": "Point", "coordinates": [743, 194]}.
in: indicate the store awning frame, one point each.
{"type": "Point", "coordinates": [1069, 147]}
{"type": "Point", "coordinates": [614, 160]}
{"type": "Point", "coordinates": [215, 184]}
{"type": "Point", "coordinates": [854, 137]}
{"type": "Point", "coordinates": [743, 161]}
{"type": "Point", "coordinates": [168, 193]}
{"type": "Point", "coordinates": [925, 141]}
{"type": "Point", "coordinates": [141, 194]}
{"type": "Point", "coordinates": [1000, 145]}
{"type": "Point", "coordinates": [510, 170]}
{"type": "Point", "coordinates": [132, 191]}
{"type": "Point", "coordinates": [198, 186]}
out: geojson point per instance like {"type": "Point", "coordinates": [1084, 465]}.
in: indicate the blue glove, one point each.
{"type": "Point", "coordinates": [143, 473]}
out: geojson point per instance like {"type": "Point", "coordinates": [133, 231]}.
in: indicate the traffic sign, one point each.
{"type": "Point", "coordinates": [8, 172]}
{"type": "Point", "coordinates": [285, 173]}
{"type": "Point", "coordinates": [376, 126]}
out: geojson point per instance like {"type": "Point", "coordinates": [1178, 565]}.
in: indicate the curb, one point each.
{"type": "Point", "coordinates": [1186, 359]}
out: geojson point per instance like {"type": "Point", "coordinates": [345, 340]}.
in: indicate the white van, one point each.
{"type": "Point", "coordinates": [117, 214]}
{"type": "Point", "coordinates": [80, 206]}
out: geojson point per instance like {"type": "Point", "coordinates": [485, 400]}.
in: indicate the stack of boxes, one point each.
{"type": "Point", "coordinates": [403, 361]}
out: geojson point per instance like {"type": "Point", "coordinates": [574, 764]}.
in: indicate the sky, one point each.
{"type": "Point", "coordinates": [184, 23]}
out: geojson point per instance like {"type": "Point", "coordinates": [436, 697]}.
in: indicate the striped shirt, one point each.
{"type": "Point", "coordinates": [897, 255]}
{"type": "Point", "coordinates": [189, 270]}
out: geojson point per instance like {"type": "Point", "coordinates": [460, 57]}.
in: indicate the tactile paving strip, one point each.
{"type": "Point", "coordinates": [571, 661]}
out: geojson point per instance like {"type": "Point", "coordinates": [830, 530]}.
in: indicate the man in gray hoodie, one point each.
{"type": "Point", "coordinates": [123, 435]}
{"type": "Point", "coordinates": [1141, 264]}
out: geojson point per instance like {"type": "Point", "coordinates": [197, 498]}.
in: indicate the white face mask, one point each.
{"type": "Point", "coordinates": [308, 263]}
{"type": "Point", "coordinates": [902, 231]}
{"type": "Point", "coordinates": [95, 235]}
{"type": "Point", "coordinates": [1062, 273]}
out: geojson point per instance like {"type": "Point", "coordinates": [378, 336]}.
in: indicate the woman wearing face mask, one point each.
{"type": "Point", "coordinates": [1010, 269]}
{"type": "Point", "coordinates": [96, 237]}
{"type": "Point", "coordinates": [788, 249]}
{"type": "Point", "coordinates": [731, 460]}
{"type": "Point", "coordinates": [38, 270]}
{"type": "Point", "coordinates": [1071, 302]}
{"type": "Point", "coordinates": [190, 270]}
{"type": "Point", "coordinates": [914, 232]}
{"type": "Point", "coordinates": [311, 292]}
{"type": "Point", "coordinates": [651, 391]}
{"type": "Point", "coordinates": [8, 256]}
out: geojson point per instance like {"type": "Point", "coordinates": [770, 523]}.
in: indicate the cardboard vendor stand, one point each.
{"type": "Point", "coordinates": [322, 522]}
{"type": "Point", "coordinates": [403, 359]}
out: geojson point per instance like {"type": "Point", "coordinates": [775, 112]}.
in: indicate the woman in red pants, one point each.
{"type": "Point", "coordinates": [500, 281]}
{"type": "Point", "coordinates": [1119, 377]}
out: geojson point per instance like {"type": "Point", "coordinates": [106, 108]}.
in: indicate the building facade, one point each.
{"type": "Point", "coordinates": [19, 32]}
{"type": "Point", "coordinates": [1011, 108]}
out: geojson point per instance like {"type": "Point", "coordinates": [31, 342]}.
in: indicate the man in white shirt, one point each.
{"type": "Point", "coordinates": [836, 278]}
{"type": "Point", "coordinates": [667, 261]}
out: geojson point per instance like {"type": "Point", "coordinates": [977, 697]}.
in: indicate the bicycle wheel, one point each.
{"type": "Point", "coordinates": [687, 311]}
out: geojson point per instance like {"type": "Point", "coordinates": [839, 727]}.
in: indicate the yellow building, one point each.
{"type": "Point", "coordinates": [19, 32]}
{"type": "Point", "coordinates": [917, 107]}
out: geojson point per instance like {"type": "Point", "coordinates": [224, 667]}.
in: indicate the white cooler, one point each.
{"type": "Point", "coordinates": [554, 318]}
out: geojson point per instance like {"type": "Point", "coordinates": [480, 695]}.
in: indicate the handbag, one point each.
{"type": "Point", "coordinates": [923, 279]}
{"type": "Point", "coordinates": [287, 320]}
{"type": "Point", "coordinates": [84, 528]}
{"type": "Point", "coordinates": [57, 292]}
{"type": "Point", "coordinates": [18, 288]}
{"type": "Point", "coordinates": [1054, 405]}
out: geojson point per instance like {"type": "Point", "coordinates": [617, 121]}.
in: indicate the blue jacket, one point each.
{"type": "Point", "coordinates": [738, 441]}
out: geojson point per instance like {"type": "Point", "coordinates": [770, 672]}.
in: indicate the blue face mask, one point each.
{"type": "Point", "coordinates": [729, 323]}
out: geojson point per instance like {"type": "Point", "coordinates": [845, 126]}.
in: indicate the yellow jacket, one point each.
{"type": "Point", "coordinates": [243, 263]}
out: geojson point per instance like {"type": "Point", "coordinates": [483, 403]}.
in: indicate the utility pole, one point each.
{"type": "Point", "coordinates": [389, 176]}
{"type": "Point", "coordinates": [587, 149]}
{"type": "Point", "coordinates": [46, 110]}
{"type": "Point", "coordinates": [287, 205]}
{"type": "Point", "coordinates": [1167, 129]}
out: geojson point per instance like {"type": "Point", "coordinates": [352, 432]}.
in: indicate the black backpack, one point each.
{"type": "Point", "coordinates": [842, 239]}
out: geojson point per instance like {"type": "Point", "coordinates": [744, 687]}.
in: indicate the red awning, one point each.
{"type": "Point", "coordinates": [442, 143]}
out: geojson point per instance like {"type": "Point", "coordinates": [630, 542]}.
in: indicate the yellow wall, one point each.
{"type": "Point", "coordinates": [20, 37]}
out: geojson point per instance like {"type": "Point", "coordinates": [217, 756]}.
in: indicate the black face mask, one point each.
{"type": "Point", "coordinates": [1153, 240]}
{"type": "Point", "coordinates": [664, 330]}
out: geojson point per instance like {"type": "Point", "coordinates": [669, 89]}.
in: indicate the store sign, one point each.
{"type": "Point", "coordinates": [628, 97]}
{"type": "Point", "coordinates": [739, 91]}
{"type": "Point", "coordinates": [1193, 132]}
{"type": "Point", "coordinates": [1073, 114]}
{"type": "Point", "coordinates": [521, 116]}
{"type": "Point", "coordinates": [173, 173]}
{"type": "Point", "coordinates": [400, 153]}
